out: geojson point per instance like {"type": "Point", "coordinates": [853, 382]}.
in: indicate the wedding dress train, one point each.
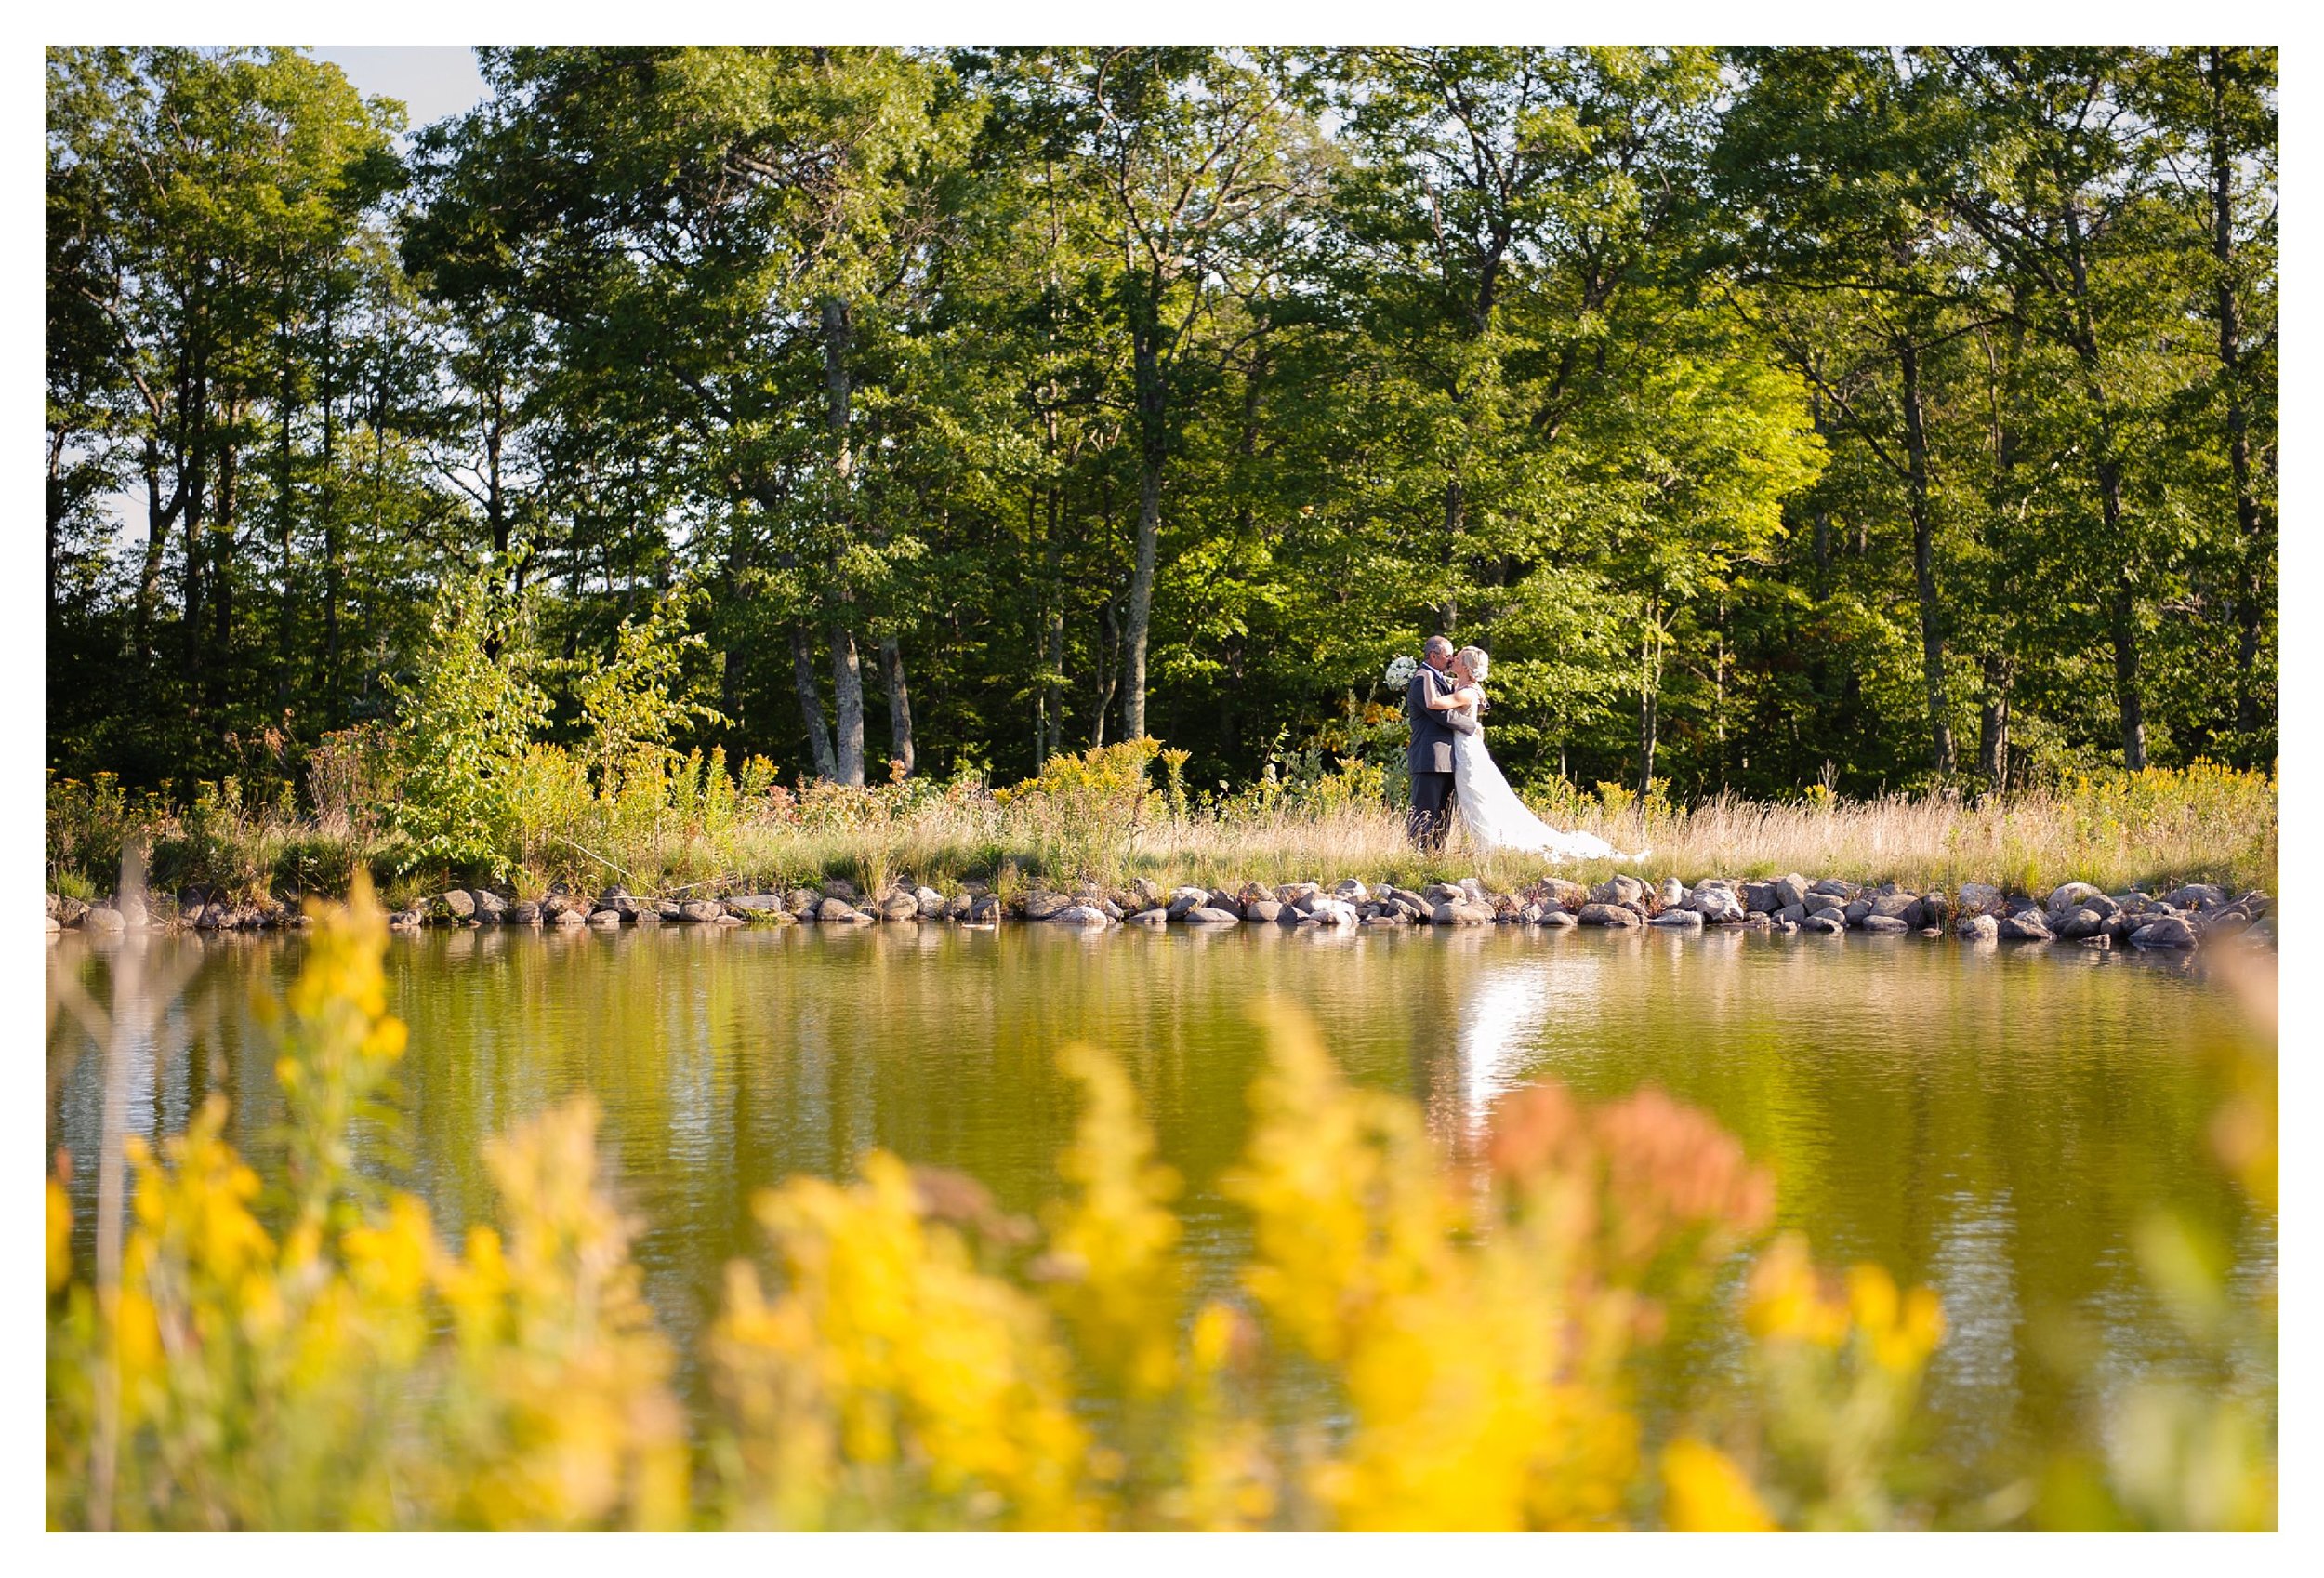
{"type": "Point", "coordinates": [1496, 818]}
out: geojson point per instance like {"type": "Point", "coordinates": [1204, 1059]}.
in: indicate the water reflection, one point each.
{"type": "Point", "coordinates": [1992, 1121]}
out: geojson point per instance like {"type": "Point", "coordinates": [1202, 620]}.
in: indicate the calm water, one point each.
{"type": "Point", "coordinates": [1991, 1122]}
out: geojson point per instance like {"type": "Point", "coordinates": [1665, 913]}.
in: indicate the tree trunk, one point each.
{"type": "Point", "coordinates": [2257, 529]}
{"type": "Point", "coordinates": [1924, 561]}
{"type": "Point", "coordinates": [2122, 627]}
{"type": "Point", "coordinates": [1993, 723]}
{"type": "Point", "coordinates": [899, 702]}
{"type": "Point", "coordinates": [847, 697]}
{"type": "Point", "coordinates": [1649, 695]}
{"type": "Point", "coordinates": [334, 544]}
{"type": "Point", "coordinates": [810, 705]}
{"type": "Point", "coordinates": [1153, 411]}
{"type": "Point", "coordinates": [221, 590]}
{"type": "Point", "coordinates": [2122, 608]}
{"type": "Point", "coordinates": [158, 522]}
{"type": "Point", "coordinates": [1109, 669]}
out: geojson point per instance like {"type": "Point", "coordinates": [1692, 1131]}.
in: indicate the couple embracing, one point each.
{"type": "Point", "coordinates": [1452, 771]}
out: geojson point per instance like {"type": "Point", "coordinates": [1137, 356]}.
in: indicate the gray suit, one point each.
{"type": "Point", "coordinates": [1431, 756]}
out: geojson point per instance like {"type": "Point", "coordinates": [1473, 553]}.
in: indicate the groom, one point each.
{"type": "Point", "coordinates": [1431, 756]}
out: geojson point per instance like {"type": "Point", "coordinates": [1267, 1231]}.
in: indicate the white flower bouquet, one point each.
{"type": "Point", "coordinates": [1401, 669]}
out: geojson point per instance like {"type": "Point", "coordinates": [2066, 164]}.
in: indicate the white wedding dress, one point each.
{"type": "Point", "coordinates": [1496, 818]}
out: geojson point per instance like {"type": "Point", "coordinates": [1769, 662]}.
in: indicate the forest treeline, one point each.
{"type": "Point", "coordinates": [1885, 418]}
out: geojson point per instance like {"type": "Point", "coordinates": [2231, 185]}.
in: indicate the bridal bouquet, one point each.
{"type": "Point", "coordinates": [1401, 669]}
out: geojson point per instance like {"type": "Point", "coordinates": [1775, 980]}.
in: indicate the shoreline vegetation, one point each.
{"type": "Point", "coordinates": [2169, 854]}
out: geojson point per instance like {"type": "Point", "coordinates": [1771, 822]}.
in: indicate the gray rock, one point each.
{"type": "Point", "coordinates": [1184, 901]}
{"type": "Point", "coordinates": [1886, 925]}
{"type": "Point", "coordinates": [1461, 913]}
{"type": "Point", "coordinates": [1221, 899]}
{"type": "Point", "coordinates": [802, 902]}
{"type": "Point", "coordinates": [1899, 905]}
{"type": "Point", "coordinates": [2026, 925]}
{"type": "Point", "coordinates": [408, 920]}
{"type": "Point", "coordinates": [1618, 889]}
{"type": "Point", "coordinates": [1980, 898]}
{"type": "Point", "coordinates": [131, 907]}
{"type": "Point", "coordinates": [1678, 921]}
{"type": "Point", "coordinates": [1791, 914]}
{"type": "Point", "coordinates": [490, 908]}
{"type": "Point", "coordinates": [1825, 921]}
{"type": "Point", "coordinates": [1670, 893]}
{"type": "Point", "coordinates": [1081, 915]}
{"type": "Point", "coordinates": [932, 903]}
{"type": "Point", "coordinates": [899, 906]}
{"type": "Point", "coordinates": [840, 888]}
{"type": "Point", "coordinates": [1842, 890]}
{"type": "Point", "coordinates": [1783, 928]}
{"type": "Point", "coordinates": [1720, 906]}
{"type": "Point", "coordinates": [2165, 931]}
{"type": "Point", "coordinates": [2066, 897]}
{"type": "Point", "coordinates": [1559, 893]}
{"type": "Point", "coordinates": [526, 913]}
{"type": "Point", "coordinates": [1389, 915]}
{"type": "Point", "coordinates": [984, 910]}
{"type": "Point", "coordinates": [1350, 890]}
{"type": "Point", "coordinates": [1477, 892]}
{"type": "Point", "coordinates": [1156, 916]}
{"type": "Point", "coordinates": [702, 911]}
{"type": "Point", "coordinates": [1147, 891]}
{"type": "Point", "coordinates": [1041, 906]}
{"type": "Point", "coordinates": [606, 918]}
{"type": "Point", "coordinates": [2077, 923]}
{"type": "Point", "coordinates": [2192, 895]}
{"type": "Point", "coordinates": [105, 918]}
{"type": "Point", "coordinates": [1791, 893]}
{"type": "Point", "coordinates": [1556, 920]}
{"type": "Point", "coordinates": [1598, 913]}
{"type": "Point", "coordinates": [1818, 901]}
{"type": "Point", "coordinates": [1264, 909]}
{"type": "Point", "coordinates": [2100, 941]}
{"type": "Point", "coordinates": [833, 911]}
{"type": "Point", "coordinates": [957, 908]}
{"type": "Point", "coordinates": [1334, 913]}
{"type": "Point", "coordinates": [1762, 898]}
{"type": "Point", "coordinates": [1204, 915]}
{"type": "Point", "coordinates": [755, 904]}
{"type": "Point", "coordinates": [1856, 912]}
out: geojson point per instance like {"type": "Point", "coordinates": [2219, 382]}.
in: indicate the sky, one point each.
{"type": "Point", "coordinates": [434, 80]}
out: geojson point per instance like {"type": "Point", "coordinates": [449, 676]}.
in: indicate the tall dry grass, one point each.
{"type": "Point", "coordinates": [1099, 818]}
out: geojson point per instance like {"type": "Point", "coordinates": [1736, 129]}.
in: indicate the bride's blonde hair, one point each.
{"type": "Point", "coordinates": [1476, 660]}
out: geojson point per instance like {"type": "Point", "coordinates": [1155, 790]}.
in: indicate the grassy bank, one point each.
{"type": "Point", "coordinates": [1112, 815]}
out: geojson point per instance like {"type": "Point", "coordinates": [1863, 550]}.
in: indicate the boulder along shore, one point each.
{"type": "Point", "coordinates": [2075, 914]}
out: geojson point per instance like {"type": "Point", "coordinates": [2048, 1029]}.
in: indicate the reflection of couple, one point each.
{"type": "Point", "coordinates": [1451, 768]}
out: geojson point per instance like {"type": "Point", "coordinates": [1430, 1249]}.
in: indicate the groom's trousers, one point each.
{"type": "Point", "coordinates": [1431, 809]}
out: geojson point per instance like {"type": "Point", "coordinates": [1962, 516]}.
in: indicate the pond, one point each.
{"type": "Point", "coordinates": [1995, 1122]}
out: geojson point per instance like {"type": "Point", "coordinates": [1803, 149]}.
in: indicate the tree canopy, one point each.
{"type": "Point", "coordinates": [1893, 417]}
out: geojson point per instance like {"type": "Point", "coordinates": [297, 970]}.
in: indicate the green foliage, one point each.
{"type": "Point", "coordinates": [465, 727]}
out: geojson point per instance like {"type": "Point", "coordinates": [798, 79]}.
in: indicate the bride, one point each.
{"type": "Point", "coordinates": [1490, 810]}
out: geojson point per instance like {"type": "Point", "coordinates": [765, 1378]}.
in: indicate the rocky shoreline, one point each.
{"type": "Point", "coordinates": [2074, 913]}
